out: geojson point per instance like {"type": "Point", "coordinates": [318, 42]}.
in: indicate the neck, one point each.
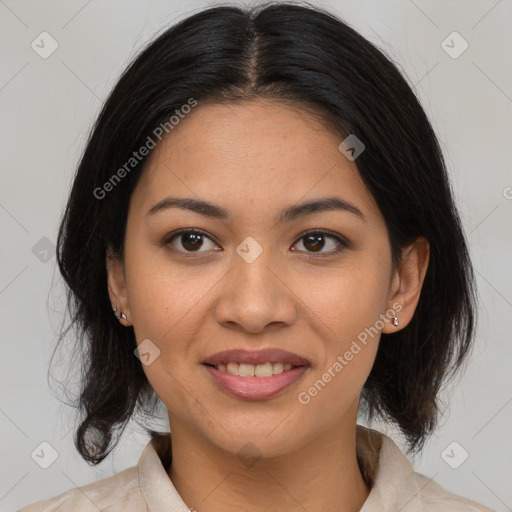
{"type": "Point", "coordinates": [321, 475]}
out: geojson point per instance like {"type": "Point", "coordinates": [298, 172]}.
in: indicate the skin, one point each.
{"type": "Point", "coordinates": [254, 159]}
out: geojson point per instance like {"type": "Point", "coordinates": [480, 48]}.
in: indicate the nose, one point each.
{"type": "Point", "coordinates": [256, 297]}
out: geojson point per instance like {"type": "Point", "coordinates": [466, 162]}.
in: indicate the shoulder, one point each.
{"type": "Point", "coordinates": [120, 492]}
{"type": "Point", "coordinates": [436, 498]}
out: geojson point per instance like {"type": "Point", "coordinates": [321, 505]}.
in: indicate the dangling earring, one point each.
{"type": "Point", "coordinates": [395, 320]}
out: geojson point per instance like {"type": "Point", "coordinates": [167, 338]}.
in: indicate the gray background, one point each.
{"type": "Point", "coordinates": [47, 107]}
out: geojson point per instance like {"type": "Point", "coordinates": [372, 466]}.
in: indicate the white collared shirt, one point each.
{"type": "Point", "coordinates": [148, 488]}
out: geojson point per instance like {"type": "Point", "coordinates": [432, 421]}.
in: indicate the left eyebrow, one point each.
{"type": "Point", "coordinates": [288, 214]}
{"type": "Point", "coordinates": [323, 204]}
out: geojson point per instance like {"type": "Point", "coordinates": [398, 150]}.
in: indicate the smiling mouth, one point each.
{"type": "Point", "coordinates": [255, 382]}
{"type": "Point", "coordinates": [254, 370]}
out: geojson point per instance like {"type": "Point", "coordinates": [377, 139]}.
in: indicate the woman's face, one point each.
{"type": "Point", "coordinates": [253, 281]}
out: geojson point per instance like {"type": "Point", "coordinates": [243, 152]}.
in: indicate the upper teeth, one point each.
{"type": "Point", "coordinates": [252, 370]}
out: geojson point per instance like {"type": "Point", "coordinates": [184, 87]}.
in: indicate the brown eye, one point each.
{"type": "Point", "coordinates": [316, 241]}
{"type": "Point", "coordinates": [189, 240]}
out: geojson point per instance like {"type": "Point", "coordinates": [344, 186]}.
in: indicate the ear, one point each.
{"type": "Point", "coordinates": [117, 289]}
{"type": "Point", "coordinates": [406, 284]}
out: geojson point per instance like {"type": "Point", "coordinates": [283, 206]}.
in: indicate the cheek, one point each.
{"type": "Point", "coordinates": [168, 304]}
{"type": "Point", "coordinates": [165, 310]}
{"type": "Point", "coordinates": [345, 311]}
{"type": "Point", "coordinates": [164, 300]}
{"type": "Point", "coordinates": [348, 350]}
{"type": "Point", "coordinates": [348, 300]}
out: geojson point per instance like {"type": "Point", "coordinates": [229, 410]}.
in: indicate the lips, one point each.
{"type": "Point", "coordinates": [255, 388]}
{"type": "Point", "coordinates": [269, 355]}
{"type": "Point", "coordinates": [287, 369]}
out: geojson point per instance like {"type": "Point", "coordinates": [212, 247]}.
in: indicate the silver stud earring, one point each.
{"type": "Point", "coordinates": [395, 320]}
{"type": "Point", "coordinates": [121, 315]}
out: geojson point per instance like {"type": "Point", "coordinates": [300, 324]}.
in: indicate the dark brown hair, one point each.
{"type": "Point", "coordinates": [292, 53]}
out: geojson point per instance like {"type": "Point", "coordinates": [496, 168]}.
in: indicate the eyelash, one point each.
{"type": "Point", "coordinates": [341, 241]}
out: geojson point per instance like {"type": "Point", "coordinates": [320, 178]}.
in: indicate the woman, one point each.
{"type": "Point", "coordinates": [261, 234]}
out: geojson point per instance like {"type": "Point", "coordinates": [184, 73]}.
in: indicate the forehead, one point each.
{"type": "Point", "coordinates": [260, 153]}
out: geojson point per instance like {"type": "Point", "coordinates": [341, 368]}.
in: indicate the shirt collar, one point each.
{"type": "Point", "coordinates": [394, 483]}
{"type": "Point", "coordinates": [156, 486]}
{"type": "Point", "coordinates": [380, 459]}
